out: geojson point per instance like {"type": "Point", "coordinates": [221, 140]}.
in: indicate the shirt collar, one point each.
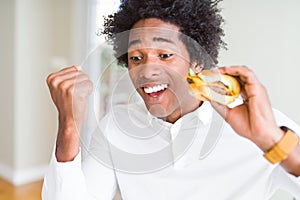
{"type": "Point", "coordinates": [203, 112]}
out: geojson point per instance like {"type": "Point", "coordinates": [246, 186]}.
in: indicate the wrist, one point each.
{"type": "Point", "coordinates": [282, 149]}
{"type": "Point", "coordinates": [68, 140]}
{"type": "Point", "coordinates": [269, 140]}
{"type": "Point", "coordinates": [67, 146]}
{"type": "Point", "coordinates": [68, 124]}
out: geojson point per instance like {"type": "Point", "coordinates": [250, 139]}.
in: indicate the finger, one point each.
{"type": "Point", "coordinates": [55, 81]}
{"type": "Point", "coordinates": [82, 77]}
{"type": "Point", "coordinates": [75, 78]}
{"type": "Point", "coordinates": [221, 109]}
{"type": "Point", "coordinates": [250, 85]}
{"type": "Point", "coordinates": [243, 72]}
{"type": "Point", "coordinates": [73, 81]}
{"type": "Point", "coordinates": [61, 72]}
{"type": "Point", "coordinates": [243, 92]}
{"type": "Point", "coordinates": [84, 88]}
{"type": "Point", "coordinates": [69, 69]}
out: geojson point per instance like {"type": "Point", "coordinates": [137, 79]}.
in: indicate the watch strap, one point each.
{"type": "Point", "coordinates": [283, 148]}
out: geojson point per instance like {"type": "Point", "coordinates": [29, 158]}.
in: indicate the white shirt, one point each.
{"type": "Point", "coordinates": [198, 157]}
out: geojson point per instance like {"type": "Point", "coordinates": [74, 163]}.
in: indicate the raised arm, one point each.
{"type": "Point", "coordinates": [254, 119]}
{"type": "Point", "coordinates": [68, 177]}
{"type": "Point", "coordinates": [69, 90]}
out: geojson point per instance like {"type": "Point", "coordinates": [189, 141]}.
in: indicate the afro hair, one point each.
{"type": "Point", "coordinates": [199, 20]}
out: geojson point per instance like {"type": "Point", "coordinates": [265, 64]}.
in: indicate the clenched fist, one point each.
{"type": "Point", "coordinates": [69, 90]}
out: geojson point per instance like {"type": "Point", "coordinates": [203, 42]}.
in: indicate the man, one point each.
{"type": "Point", "coordinates": [164, 159]}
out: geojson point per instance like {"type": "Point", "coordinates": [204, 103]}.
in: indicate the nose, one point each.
{"type": "Point", "coordinates": [151, 68]}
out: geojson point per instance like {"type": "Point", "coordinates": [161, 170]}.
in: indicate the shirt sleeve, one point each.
{"type": "Point", "coordinates": [77, 180]}
{"type": "Point", "coordinates": [281, 178]}
{"type": "Point", "coordinates": [283, 120]}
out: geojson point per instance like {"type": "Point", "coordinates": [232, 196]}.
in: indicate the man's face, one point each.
{"type": "Point", "coordinates": [158, 61]}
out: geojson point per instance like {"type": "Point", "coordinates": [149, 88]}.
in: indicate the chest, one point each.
{"type": "Point", "coordinates": [231, 171]}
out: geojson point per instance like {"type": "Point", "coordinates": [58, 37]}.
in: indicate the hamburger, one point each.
{"type": "Point", "coordinates": [209, 85]}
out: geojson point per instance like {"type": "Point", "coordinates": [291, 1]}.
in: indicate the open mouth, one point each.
{"type": "Point", "coordinates": [156, 90]}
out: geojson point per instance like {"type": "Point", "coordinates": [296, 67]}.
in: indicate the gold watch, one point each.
{"type": "Point", "coordinates": [283, 148]}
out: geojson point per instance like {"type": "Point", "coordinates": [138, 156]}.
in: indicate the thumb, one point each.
{"type": "Point", "coordinates": [221, 109]}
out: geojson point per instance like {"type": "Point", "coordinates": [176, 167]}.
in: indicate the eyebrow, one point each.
{"type": "Point", "coordinates": [133, 42]}
{"type": "Point", "coordinates": [160, 39]}
{"type": "Point", "coordinates": [155, 39]}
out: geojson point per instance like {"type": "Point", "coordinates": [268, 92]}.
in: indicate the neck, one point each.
{"type": "Point", "coordinates": [180, 112]}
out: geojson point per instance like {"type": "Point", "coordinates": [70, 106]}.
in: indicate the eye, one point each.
{"type": "Point", "coordinates": [136, 59]}
{"type": "Point", "coordinates": [165, 55]}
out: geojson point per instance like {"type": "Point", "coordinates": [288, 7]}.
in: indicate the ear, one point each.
{"type": "Point", "coordinates": [196, 67]}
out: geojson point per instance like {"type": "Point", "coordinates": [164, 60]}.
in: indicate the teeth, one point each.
{"type": "Point", "coordinates": [156, 88]}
